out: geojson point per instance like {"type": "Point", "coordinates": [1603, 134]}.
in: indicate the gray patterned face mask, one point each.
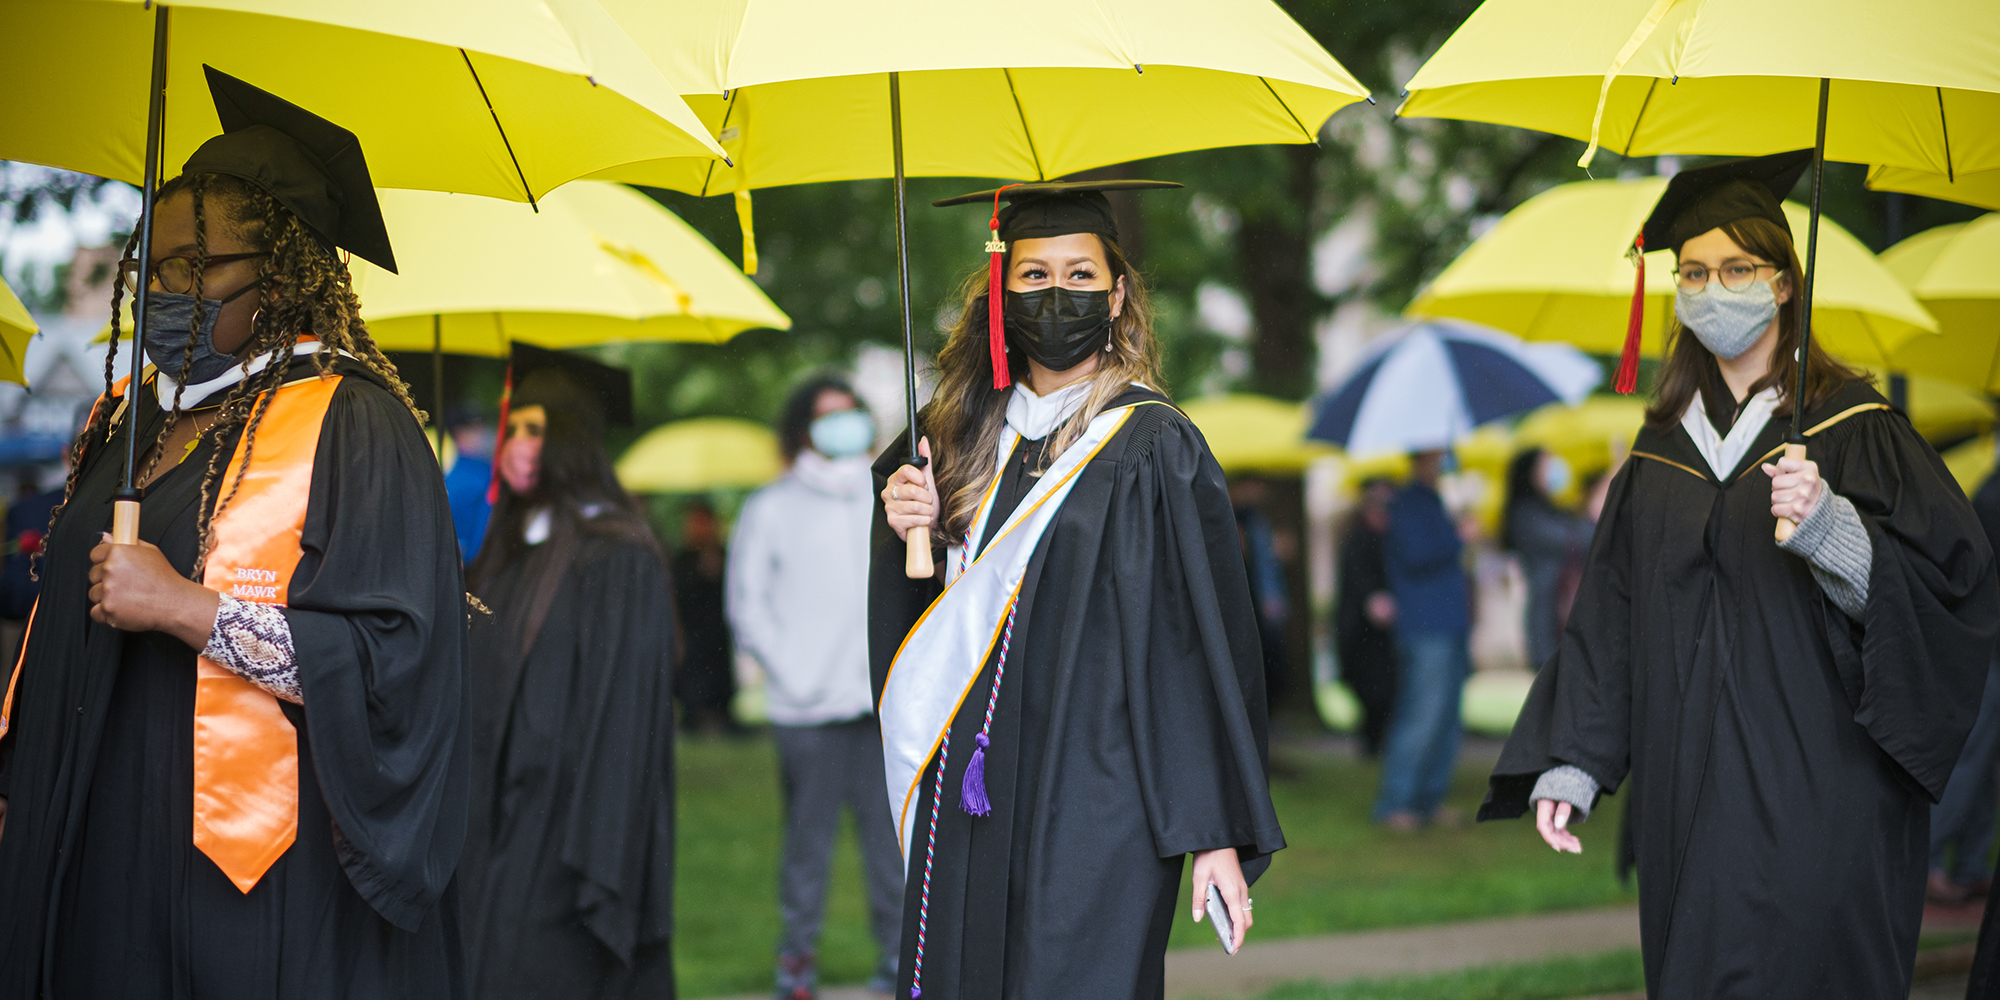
{"type": "Point", "coordinates": [168, 318]}
{"type": "Point", "coordinates": [1727, 322]}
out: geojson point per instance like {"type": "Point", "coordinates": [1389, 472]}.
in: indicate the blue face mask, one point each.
{"type": "Point", "coordinates": [1555, 474]}
{"type": "Point", "coordinates": [844, 434]}
{"type": "Point", "coordinates": [168, 317]}
{"type": "Point", "coordinates": [1727, 322]}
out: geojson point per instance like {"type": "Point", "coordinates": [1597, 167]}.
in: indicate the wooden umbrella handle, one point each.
{"type": "Point", "coordinates": [1785, 524]}
{"type": "Point", "coordinates": [125, 522]}
{"type": "Point", "coordinates": [918, 566]}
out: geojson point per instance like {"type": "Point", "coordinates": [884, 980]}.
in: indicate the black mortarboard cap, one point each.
{"type": "Point", "coordinates": [1704, 198]}
{"type": "Point", "coordinates": [596, 393]}
{"type": "Point", "coordinates": [1055, 208]}
{"type": "Point", "coordinates": [310, 165]}
{"type": "Point", "coordinates": [1038, 211]}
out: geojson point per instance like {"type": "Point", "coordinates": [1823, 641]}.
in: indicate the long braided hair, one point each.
{"type": "Point", "coordinates": [306, 291]}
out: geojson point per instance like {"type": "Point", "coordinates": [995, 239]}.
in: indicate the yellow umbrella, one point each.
{"type": "Point", "coordinates": [600, 263]}
{"type": "Point", "coordinates": [507, 100]}
{"type": "Point", "coordinates": [1251, 433]}
{"type": "Point", "coordinates": [1970, 463]}
{"type": "Point", "coordinates": [805, 90]}
{"type": "Point", "coordinates": [695, 456]}
{"type": "Point", "coordinates": [798, 91]}
{"type": "Point", "coordinates": [1553, 269]}
{"type": "Point", "coordinates": [1913, 84]}
{"type": "Point", "coordinates": [1589, 436]}
{"type": "Point", "coordinates": [1981, 188]}
{"type": "Point", "coordinates": [17, 327]}
{"type": "Point", "coordinates": [1955, 272]}
{"type": "Point", "coordinates": [389, 72]}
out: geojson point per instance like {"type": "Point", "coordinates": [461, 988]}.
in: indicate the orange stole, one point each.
{"type": "Point", "coordinates": [246, 753]}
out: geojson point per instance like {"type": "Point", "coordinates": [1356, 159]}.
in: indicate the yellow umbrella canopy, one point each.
{"type": "Point", "coordinates": [16, 329]}
{"type": "Point", "coordinates": [599, 263]}
{"type": "Point", "coordinates": [1981, 188]}
{"type": "Point", "coordinates": [1913, 83]}
{"type": "Point", "coordinates": [1955, 272]}
{"type": "Point", "coordinates": [1589, 436]}
{"type": "Point", "coordinates": [702, 454]}
{"type": "Point", "coordinates": [1970, 463]}
{"type": "Point", "coordinates": [1553, 269]}
{"type": "Point", "coordinates": [797, 90]}
{"type": "Point", "coordinates": [1249, 433]}
{"type": "Point", "coordinates": [509, 103]}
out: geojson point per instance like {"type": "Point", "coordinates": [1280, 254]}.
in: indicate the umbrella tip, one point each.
{"type": "Point", "coordinates": [1370, 98]}
{"type": "Point", "coordinates": [1141, 69]}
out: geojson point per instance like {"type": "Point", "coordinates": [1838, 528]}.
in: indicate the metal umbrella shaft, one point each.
{"type": "Point", "coordinates": [125, 502]}
{"type": "Point", "coordinates": [1795, 440]}
{"type": "Point", "coordinates": [917, 562]}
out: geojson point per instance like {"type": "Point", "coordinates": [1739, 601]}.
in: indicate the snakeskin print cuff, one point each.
{"type": "Point", "coordinates": [254, 641]}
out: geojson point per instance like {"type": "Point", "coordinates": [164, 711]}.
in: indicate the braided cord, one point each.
{"type": "Point", "coordinates": [930, 858]}
{"type": "Point", "coordinates": [999, 670]}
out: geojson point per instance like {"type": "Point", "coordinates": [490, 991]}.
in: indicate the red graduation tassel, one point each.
{"type": "Point", "coordinates": [1628, 362]}
{"type": "Point", "coordinates": [500, 437]}
{"type": "Point", "coordinates": [996, 331]}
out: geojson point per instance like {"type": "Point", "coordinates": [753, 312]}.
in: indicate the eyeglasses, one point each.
{"type": "Point", "coordinates": [1736, 275]}
{"type": "Point", "coordinates": [176, 273]}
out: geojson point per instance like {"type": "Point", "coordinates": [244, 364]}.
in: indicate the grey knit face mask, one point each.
{"type": "Point", "coordinates": [1727, 322]}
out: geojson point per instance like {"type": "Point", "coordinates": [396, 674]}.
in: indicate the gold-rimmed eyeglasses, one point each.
{"type": "Point", "coordinates": [1735, 274]}
{"type": "Point", "coordinates": [175, 274]}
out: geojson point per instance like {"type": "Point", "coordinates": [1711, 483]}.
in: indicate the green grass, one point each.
{"type": "Point", "coordinates": [1340, 873]}
{"type": "Point", "coordinates": [1552, 979]}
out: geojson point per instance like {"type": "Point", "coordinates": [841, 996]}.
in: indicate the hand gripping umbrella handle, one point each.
{"type": "Point", "coordinates": [1785, 524]}
{"type": "Point", "coordinates": [125, 522]}
{"type": "Point", "coordinates": [918, 565]}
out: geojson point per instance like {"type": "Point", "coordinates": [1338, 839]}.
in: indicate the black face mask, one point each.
{"type": "Point", "coordinates": [168, 317]}
{"type": "Point", "coordinates": [1057, 327]}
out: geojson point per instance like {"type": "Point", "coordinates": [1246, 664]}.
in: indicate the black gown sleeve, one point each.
{"type": "Point", "coordinates": [619, 839]}
{"type": "Point", "coordinates": [1194, 668]}
{"type": "Point", "coordinates": [894, 600]}
{"type": "Point", "coordinates": [1579, 711]}
{"type": "Point", "coordinates": [378, 618]}
{"type": "Point", "coordinates": [1915, 665]}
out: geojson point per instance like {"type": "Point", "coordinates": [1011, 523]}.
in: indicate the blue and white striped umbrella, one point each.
{"type": "Point", "coordinates": [1430, 383]}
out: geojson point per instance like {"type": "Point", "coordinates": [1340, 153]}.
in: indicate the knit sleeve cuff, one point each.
{"type": "Point", "coordinates": [1835, 543]}
{"type": "Point", "coordinates": [254, 642]}
{"type": "Point", "coordinates": [1566, 784]}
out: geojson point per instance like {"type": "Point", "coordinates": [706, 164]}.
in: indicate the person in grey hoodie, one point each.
{"type": "Point", "coordinates": [798, 602]}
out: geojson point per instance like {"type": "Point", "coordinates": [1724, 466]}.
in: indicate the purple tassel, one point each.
{"type": "Point", "coordinates": [972, 794]}
{"type": "Point", "coordinates": [916, 992]}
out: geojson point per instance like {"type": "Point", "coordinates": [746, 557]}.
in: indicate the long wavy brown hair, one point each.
{"type": "Point", "coordinates": [1691, 368]}
{"type": "Point", "coordinates": [966, 413]}
{"type": "Point", "coordinates": [306, 291]}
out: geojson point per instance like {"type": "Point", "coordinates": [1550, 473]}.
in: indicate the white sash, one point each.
{"type": "Point", "coordinates": [941, 658]}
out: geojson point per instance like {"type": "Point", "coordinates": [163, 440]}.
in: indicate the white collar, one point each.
{"type": "Point", "coordinates": [840, 477]}
{"type": "Point", "coordinates": [536, 531]}
{"type": "Point", "coordinates": [1033, 417]}
{"type": "Point", "coordinates": [236, 373]}
{"type": "Point", "coordinates": [1723, 452]}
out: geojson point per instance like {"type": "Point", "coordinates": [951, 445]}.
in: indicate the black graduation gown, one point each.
{"type": "Point", "coordinates": [1367, 653]}
{"type": "Point", "coordinates": [568, 871]}
{"type": "Point", "coordinates": [1130, 729]}
{"type": "Point", "coordinates": [102, 892]}
{"type": "Point", "coordinates": [1783, 757]}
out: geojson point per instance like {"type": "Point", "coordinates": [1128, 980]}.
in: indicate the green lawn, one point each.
{"type": "Point", "coordinates": [1552, 979]}
{"type": "Point", "coordinates": [1339, 874]}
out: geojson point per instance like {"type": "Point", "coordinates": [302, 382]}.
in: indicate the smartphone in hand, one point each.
{"type": "Point", "coordinates": [1218, 918]}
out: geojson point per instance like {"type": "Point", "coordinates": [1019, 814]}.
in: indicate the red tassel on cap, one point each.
{"type": "Point", "coordinates": [1628, 362]}
{"type": "Point", "coordinates": [996, 330]}
{"type": "Point", "coordinates": [500, 437]}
